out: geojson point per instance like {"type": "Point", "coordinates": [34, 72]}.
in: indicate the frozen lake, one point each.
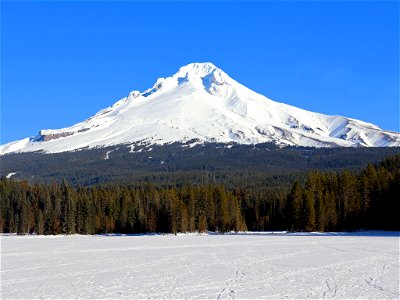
{"type": "Point", "coordinates": [201, 266]}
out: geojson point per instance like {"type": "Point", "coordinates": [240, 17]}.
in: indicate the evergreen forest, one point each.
{"type": "Point", "coordinates": [232, 165]}
{"type": "Point", "coordinates": [346, 200]}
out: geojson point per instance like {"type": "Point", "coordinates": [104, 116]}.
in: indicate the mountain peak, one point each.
{"type": "Point", "coordinates": [198, 69]}
{"type": "Point", "coordinates": [202, 103]}
{"type": "Point", "coordinates": [203, 76]}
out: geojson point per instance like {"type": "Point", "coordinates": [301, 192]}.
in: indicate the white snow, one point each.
{"type": "Point", "coordinates": [9, 175]}
{"type": "Point", "coordinates": [251, 266]}
{"type": "Point", "coordinates": [202, 102]}
{"type": "Point", "coordinates": [107, 156]}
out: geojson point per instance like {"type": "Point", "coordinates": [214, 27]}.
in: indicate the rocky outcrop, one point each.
{"type": "Point", "coordinates": [53, 136]}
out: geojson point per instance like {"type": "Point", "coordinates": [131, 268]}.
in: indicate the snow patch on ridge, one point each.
{"type": "Point", "coordinates": [9, 175]}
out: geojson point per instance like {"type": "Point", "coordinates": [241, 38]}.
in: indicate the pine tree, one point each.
{"type": "Point", "coordinates": [294, 205]}
{"type": "Point", "coordinates": [39, 226]}
{"type": "Point", "coordinates": [67, 217]}
{"type": "Point", "coordinates": [308, 211]}
{"type": "Point", "coordinates": [222, 213]}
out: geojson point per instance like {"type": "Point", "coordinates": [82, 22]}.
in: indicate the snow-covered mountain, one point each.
{"type": "Point", "coordinates": [201, 103]}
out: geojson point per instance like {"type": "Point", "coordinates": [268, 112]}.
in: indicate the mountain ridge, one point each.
{"type": "Point", "coordinates": [201, 103]}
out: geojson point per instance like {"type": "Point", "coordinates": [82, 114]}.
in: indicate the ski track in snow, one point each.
{"type": "Point", "coordinates": [200, 266]}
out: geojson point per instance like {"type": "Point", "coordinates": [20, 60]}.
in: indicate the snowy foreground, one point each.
{"type": "Point", "coordinates": [201, 266]}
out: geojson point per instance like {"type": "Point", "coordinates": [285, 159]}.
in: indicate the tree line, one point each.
{"type": "Point", "coordinates": [344, 201]}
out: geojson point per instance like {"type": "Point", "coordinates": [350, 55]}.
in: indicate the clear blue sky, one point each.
{"type": "Point", "coordinates": [61, 62]}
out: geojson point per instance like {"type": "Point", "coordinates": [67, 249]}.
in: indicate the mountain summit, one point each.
{"type": "Point", "coordinates": [201, 103]}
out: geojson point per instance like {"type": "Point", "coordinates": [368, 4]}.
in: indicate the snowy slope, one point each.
{"type": "Point", "coordinates": [251, 266]}
{"type": "Point", "coordinates": [201, 102]}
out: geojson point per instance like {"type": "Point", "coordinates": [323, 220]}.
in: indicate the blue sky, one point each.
{"type": "Point", "coordinates": [61, 62]}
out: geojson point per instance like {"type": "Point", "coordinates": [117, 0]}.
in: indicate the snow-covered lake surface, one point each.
{"type": "Point", "coordinates": [201, 266]}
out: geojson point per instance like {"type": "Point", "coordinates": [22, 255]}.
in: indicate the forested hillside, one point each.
{"type": "Point", "coordinates": [232, 165]}
{"type": "Point", "coordinates": [346, 200]}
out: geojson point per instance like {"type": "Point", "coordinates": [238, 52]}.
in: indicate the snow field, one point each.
{"type": "Point", "coordinates": [200, 266]}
